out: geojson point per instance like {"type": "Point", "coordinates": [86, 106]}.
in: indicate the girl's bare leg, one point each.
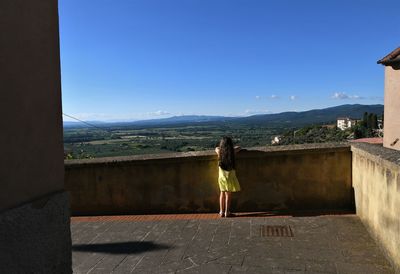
{"type": "Point", "coordinates": [222, 202]}
{"type": "Point", "coordinates": [228, 196]}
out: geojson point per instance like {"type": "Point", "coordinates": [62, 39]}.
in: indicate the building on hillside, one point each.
{"type": "Point", "coordinates": [391, 137]}
{"type": "Point", "coordinates": [345, 122]}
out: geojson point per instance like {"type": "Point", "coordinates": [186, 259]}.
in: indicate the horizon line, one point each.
{"type": "Point", "coordinates": [161, 117]}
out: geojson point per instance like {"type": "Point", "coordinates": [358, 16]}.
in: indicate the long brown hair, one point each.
{"type": "Point", "coordinates": [226, 154]}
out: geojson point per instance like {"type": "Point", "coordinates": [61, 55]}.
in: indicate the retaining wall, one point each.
{"type": "Point", "coordinates": [376, 181]}
{"type": "Point", "coordinates": [306, 177]}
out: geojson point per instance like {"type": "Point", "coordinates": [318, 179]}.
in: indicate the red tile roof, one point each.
{"type": "Point", "coordinates": [391, 58]}
{"type": "Point", "coordinates": [375, 140]}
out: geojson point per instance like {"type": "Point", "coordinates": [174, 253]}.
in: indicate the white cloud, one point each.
{"type": "Point", "coordinates": [158, 113]}
{"type": "Point", "coordinates": [340, 95]}
{"type": "Point", "coordinates": [258, 97]}
{"type": "Point", "coordinates": [343, 95]}
{"type": "Point", "coordinates": [253, 111]}
{"type": "Point", "coordinates": [273, 96]}
{"type": "Point", "coordinates": [114, 117]}
{"type": "Point", "coordinates": [293, 97]}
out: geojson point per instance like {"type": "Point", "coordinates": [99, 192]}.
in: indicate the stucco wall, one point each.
{"type": "Point", "coordinates": [34, 210]}
{"type": "Point", "coordinates": [31, 143]}
{"type": "Point", "coordinates": [376, 182]}
{"type": "Point", "coordinates": [392, 106]}
{"type": "Point", "coordinates": [306, 177]}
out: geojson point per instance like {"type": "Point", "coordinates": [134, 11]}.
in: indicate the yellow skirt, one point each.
{"type": "Point", "coordinates": [228, 181]}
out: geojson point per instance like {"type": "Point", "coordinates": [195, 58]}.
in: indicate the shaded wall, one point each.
{"type": "Point", "coordinates": [34, 209]}
{"type": "Point", "coordinates": [376, 181]}
{"type": "Point", "coordinates": [392, 106]}
{"type": "Point", "coordinates": [282, 178]}
{"type": "Point", "coordinates": [31, 139]}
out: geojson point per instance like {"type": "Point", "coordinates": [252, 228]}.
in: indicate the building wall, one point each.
{"type": "Point", "coordinates": [34, 210]}
{"type": "Point", "coordinates": [341, 124]}
{"type": "Point", "coordinates": [31, 139]}
{"type": "Point", "coordinates": [286, 178]}
{"type": "Point", "coordinates": [36, 237]}
{"type": "Point", "coordinates": [376, 182]}
{"type": "Point", "coordinates": [392, 106]}
{"type": "Point", "coordinates": [345, 123]}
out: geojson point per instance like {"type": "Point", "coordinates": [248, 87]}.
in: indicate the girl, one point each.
{"type": "Point", "coordinates": [227, 180]}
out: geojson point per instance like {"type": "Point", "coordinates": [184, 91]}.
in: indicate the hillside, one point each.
{"type": "Point", "coordinates": [284, 119]}
{"type": "Point", "coordinates": [315, 116]}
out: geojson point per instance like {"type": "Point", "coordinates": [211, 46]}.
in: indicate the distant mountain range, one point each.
{"type": "Point", "coordinates": [284, 119]}
{"type": "Point", "coordinates": [315, 116]}
{"type": "Point", "coordinates": [183, 119]}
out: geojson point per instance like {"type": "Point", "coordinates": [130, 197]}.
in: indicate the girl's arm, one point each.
{"type": "Point", "coordinates": [217, 150]}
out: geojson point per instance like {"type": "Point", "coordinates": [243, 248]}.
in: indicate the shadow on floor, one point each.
{"type": "Point", "coordinates": [308, 213]}
{"type": "Point", "coordinates": [120, 247]}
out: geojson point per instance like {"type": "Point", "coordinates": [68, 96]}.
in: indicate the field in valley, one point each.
{"type": "Point", "coordinates": [121, 141]}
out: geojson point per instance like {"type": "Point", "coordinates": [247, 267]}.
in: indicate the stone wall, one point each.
{"type": "Point", "coordinates": [285, 178]}
{"type": "Point", "coordinates": [376, 182]}
{"type": "Point", "coordinates": [36, 237]}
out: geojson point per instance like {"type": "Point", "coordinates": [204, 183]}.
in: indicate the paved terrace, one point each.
{"type": "Point", "coordinates": [204, 243]}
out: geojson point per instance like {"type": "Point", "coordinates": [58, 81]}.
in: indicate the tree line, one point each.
{"type": "Point", "coordinates": [368, 126]}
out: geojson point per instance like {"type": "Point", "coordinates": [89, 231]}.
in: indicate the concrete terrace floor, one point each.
{"type": "Point", "coordinates": [205, 243]}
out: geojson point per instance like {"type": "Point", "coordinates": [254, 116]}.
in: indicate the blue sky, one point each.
{"type": "Point", "coordinates": [142, 59]}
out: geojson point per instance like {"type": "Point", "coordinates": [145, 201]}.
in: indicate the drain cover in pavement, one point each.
{"type": "Point", "coordinates": [276, 231]}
